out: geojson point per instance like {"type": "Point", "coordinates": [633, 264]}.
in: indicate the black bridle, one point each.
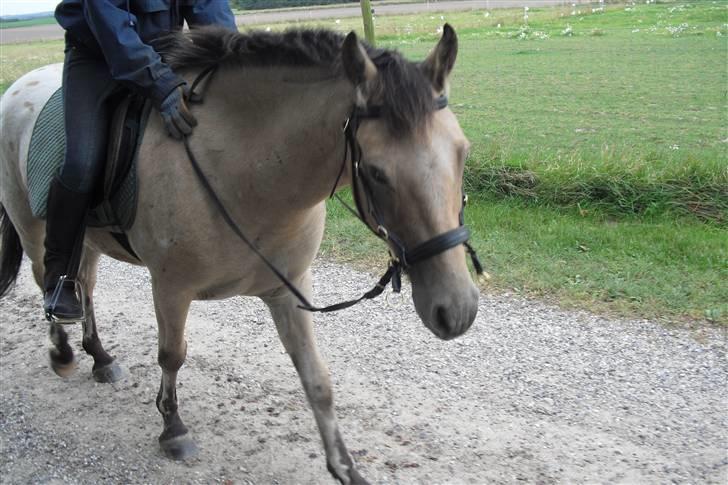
{"type": "Point", "coordinates": [401, 258]}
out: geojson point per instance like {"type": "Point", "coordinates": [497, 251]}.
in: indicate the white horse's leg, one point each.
{"type": "Point", "coordinates": [31, 232]}
{"type": "Point", "coordinates": [171, 309]}
{"type": "Point", "coordinates": [295, 329]}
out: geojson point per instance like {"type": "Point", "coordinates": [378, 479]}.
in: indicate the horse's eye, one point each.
{"type": "Point", "coordinates": [378, 175]}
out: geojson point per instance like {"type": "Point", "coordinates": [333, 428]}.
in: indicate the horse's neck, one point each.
{"type": "Point", "coordinates": [278, 129]}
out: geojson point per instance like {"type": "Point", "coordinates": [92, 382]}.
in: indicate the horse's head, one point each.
{"type": "Point", "coordinates": [408, 182]}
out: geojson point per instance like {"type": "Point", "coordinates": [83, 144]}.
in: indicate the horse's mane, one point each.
{"type": "Point", "coordinates": [403, 90]}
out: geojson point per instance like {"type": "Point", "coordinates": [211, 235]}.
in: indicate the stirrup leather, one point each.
{"type": "Point", "coordinates": [80, 295]}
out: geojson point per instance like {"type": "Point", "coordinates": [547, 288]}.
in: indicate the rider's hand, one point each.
{"type": "Point", "coordinates": [177, 117]}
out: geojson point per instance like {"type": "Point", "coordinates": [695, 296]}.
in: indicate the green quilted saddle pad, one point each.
{"type": "Point", "coordinates": [45, 156]}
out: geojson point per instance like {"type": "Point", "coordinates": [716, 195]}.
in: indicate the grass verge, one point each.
{"type": "Point", "coordinates": [668, 268]}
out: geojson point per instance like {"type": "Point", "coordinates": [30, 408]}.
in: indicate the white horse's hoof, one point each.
{"type": "Point", "coordinates": [62, 369]}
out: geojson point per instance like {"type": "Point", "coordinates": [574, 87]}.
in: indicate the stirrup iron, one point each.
{"type": "Point", "coordinates": [80, 295]}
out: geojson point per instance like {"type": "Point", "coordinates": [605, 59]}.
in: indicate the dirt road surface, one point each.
{"type": "Point", "coordinates": [530, 394]}
{"type": "Point", "coordinates": [53, 32]}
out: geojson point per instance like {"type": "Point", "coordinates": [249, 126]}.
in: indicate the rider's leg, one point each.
{"type": "Point", "coordinates": [87, 86]}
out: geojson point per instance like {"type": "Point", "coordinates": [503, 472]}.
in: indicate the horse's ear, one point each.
{"type": "Point", "coordinates": [441, 60]}
{"type": "Point", "coordinates": [357, 65]}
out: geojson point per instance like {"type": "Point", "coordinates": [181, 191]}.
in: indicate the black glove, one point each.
{"type": "Point", "coordinates": [177, 117]}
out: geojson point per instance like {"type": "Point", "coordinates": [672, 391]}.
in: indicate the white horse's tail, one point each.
{"type": "Point", "coordinates": [11, 252]}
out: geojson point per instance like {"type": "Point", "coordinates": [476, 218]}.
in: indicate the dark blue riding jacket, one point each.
{"type": "Point", "coordinates": [121, 30]}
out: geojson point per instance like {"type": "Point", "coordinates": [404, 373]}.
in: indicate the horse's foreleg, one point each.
{"type": "Point", "coordinates": [295, 328]}
{"type": "Point", "coordinates": [171, 310]}
{"type": "Point", "coordinates": [105, 368]}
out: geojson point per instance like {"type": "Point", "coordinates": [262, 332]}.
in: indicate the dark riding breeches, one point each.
{"type": "Point", "coordinates": [87, 90]}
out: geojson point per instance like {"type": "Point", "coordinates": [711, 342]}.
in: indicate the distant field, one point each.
{"type": "Point", "coordinates": [599, 168]}
{"type": "Point", "coordinates": [26, 23]}
{"type": "Point", "coordinates": [17, 59]}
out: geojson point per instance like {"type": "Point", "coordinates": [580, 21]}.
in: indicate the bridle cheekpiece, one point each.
{"type": "Point", "coordinates": [401, 258]}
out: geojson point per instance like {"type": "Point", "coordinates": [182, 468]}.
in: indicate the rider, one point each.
{"type": "Point", "coordinates": [108, 49]}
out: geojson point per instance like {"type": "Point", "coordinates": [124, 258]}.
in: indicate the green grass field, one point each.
{"type": "Point", "coordinates": [599, 168]}
{"type": "Point", "coordinates": [27, 23]}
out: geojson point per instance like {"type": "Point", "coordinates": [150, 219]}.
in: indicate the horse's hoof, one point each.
{"type": "Point", "coordinates": [108, 373]}
{"type": "Point", "coordinates": [179, 448]}
{"type": "Point", "coordinates": [353, 476]}
{"type": "Point", "coordinates": [61, 368]}
{"type": "Point", "coordinates": [356, 479]}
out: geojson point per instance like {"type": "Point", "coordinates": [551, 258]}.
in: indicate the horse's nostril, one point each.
{"type": "Point", "coordinates": [441, 320]}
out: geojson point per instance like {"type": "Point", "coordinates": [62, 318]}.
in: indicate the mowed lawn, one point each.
{"type": "Point", "coordinates": [598, 174]}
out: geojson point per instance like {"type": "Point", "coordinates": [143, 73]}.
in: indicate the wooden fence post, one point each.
{"type": "Point", "coordinates": [366, 12]}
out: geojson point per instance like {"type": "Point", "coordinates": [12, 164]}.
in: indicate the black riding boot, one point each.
{"type": "Point", "coordinates": [65, 226]}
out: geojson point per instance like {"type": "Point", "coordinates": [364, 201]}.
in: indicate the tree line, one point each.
{"type": "Point", "coordinates": [261, 4]}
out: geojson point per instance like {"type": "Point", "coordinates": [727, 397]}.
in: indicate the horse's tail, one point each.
{"type": "Point", "coordinates": [11, 252]}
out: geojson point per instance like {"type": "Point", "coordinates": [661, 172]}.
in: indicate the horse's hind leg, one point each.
{"type": "Point", "coordinates": [105, 368]}
{"type": "Point", "coordinates": [171, 309]}
{"type": "Point", "coordinates": [63, 362]}
{"type": "Point", "coordinates": [295, 328]}
{"type": "Point", "coordinates": [61, 355]}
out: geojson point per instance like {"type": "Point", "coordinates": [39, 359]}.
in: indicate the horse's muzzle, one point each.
{"type": "Point", "coordinates": [447, 314]}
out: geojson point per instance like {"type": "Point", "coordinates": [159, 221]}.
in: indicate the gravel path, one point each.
{"type": "Point", "coordinates": [531, 393]}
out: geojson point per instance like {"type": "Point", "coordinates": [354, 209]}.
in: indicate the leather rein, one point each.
{"type": "Point", "coordinates": [401, 259]}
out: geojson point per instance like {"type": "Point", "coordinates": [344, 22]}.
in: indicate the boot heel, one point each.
{"type": "Point", "coordinates": [79, 294]}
